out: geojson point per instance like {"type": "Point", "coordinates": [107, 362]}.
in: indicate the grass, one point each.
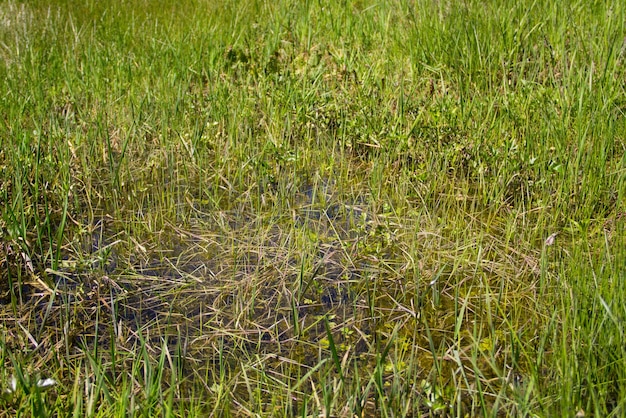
{"type": "Point", "coordinates": [312, 208]}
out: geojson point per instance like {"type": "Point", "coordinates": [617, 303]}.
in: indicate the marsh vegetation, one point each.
{"type": "Point", "coordinates": [314, 208]}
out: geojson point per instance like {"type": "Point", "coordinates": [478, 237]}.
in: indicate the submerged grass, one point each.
{"type": "Point", "coordinates": [312, 208]}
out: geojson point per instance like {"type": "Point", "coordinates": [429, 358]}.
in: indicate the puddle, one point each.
{"type": "Point", "coordinates": [249, 288]}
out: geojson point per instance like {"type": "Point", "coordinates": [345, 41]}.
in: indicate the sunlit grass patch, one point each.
{"type": "Point", "coordinates": [389, 209]}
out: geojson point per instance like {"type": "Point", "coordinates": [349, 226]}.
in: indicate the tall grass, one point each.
{"type": "Point", "coordinates": [312, 208]}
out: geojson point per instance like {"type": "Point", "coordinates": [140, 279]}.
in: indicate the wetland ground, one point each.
{"type": "Point", "coordinates": [315, 208]}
